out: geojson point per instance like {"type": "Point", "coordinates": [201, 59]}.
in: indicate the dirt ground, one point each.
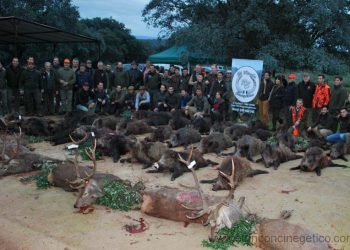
{"type": "Point", "coordinates": [45, 219]}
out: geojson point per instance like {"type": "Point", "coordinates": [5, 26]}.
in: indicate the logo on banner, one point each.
{"type": "Point", "coordinates": [245, 84]}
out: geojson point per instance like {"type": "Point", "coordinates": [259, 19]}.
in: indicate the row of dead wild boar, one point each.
{"type": "Point", "coordinates": [116, 136]}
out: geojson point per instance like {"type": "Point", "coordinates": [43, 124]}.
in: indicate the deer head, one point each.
{"type": "Point", "coordinates": [88, 188]}
{"type": "Point", "coordinates": [225, 213]}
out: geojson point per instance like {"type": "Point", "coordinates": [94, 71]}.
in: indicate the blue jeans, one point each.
{"type": "Point", "coordinates": [336, 137]}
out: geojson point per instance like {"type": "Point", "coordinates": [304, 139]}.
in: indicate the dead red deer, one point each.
{"type": "Point", "coordinates": [89, 184]}
{"type": "Point", "coordinates": [225, 213]}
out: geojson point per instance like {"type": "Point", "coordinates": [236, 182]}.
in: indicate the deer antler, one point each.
{"type": "Point", "coordinates": [79, 182]}
{"type": "Point", "coordinates": [231, 180]}
{"type": "Point", "coordinates": [18, 140]}
{"type": "Point", "coordinates": [91, 152]}
{"type": "Point", "coordinates": [205, 207]}
{"type": "Point", "coordinates": [80, 141]}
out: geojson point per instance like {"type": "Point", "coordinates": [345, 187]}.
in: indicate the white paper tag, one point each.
{"type": "Point", "coordinates": [156, 165]}
{"type": "Point", "coordinates": [19, 117]}
{"type": "Point", "coordinates": [72, 146]}
{"type": "Point", "coordinates": [191, 165]}
{"type": "Point", "coordinates": [92, 134]}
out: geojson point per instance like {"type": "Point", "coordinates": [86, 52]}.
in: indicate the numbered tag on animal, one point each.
{"type": "Point", "coordinates": [72, 146]}
{"type": "Point", "coordinates": [192, 164]}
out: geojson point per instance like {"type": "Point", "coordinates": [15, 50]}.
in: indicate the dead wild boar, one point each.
{"type": "Point", "coordinates": [237, 130]}
{"type": "Point", "coordinates": [273, 156]}
{"type": "Point", "coordinates": [184, 136]}
{"type": "Point", "coordinates": [262, 134]}
{"type": "Point", "coordinates": [137, 127]}
{"type": "Point", "coordinates": [339, 150]}
{"type": "Point", "coordinates": [179, 121]}
{"type": "Point", "coordinates": [202, 124]}
{"type": "Point", "coordinates": [217, 127]}
{"type": "Point", "coordinates": [111, 122]}
{"type": "Point", "coordinates": [145, 152]}
{"type": "Point", "coordinates": [315, 159]}
{"type": "Point", "coordinates": [242, 169]}
{"type": "Point", "coordinates": [215, 142]}
{"type": "Point", "coordinates": [170, 161]}
{"type": "Point", "coordinates": [160, 134]}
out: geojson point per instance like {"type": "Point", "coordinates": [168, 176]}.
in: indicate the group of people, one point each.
{"type": "Point", "coordinates": [77, 85]}
{"type": "Point", "coordinates": [306, 106]}
{"type": "Point", "coordinates": [57, 89]}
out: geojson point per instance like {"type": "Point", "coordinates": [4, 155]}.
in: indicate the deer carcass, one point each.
{"type": "Point", "coordinates": [279, 234]}
{"type": "Point", "coordinates": [70, 176]}
{"type": "Point", "coordinates": [225, 213]}
{"type": "Point", "coordinates": [242, 169]}
{"type": "Point", "coordinates": [15, 158]}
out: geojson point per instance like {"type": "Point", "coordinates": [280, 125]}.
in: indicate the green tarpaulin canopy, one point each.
{"type": "Point", "coordinates": [177, 54]}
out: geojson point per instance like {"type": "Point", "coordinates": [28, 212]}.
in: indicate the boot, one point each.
{"type": "Point", "coordinates": [347, 138]}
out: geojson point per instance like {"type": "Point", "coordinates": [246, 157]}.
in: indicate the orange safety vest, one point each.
{"type": "Point", "coordinates": [322, 96]}
{"type": "Point", "coordinates": [297, 116]}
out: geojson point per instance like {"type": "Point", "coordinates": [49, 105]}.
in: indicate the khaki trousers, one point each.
{"type": "Point", "coordinates": [264, 111]}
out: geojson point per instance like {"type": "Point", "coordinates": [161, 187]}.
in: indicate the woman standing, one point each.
{"type": "Point", "coordinates": [276, 101]}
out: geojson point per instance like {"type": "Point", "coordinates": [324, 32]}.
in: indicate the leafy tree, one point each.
{"type": "Point", "coordinates": [285, 32]}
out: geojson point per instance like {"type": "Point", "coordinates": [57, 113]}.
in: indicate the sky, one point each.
{"type": "Point", "coordinates": [124, 11]}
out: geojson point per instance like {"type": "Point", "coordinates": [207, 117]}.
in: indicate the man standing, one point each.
{"type": "Point", "coordinates": [4, 94]}
{"type": "Point", "coordinates": [100, 76]}
{"type": "Point", "coordinates": [322, 95]}
{"type": "Point", "coordinates": [110, 77]}
{"type": "Point", "coordinates": [134, 75]}
{"type": "Point", "coordinates": [121, 76]}
{"type": "Point", "coordinates": [264, 94]}
{"type": "Point", "coordinates": [55, 67]}
{"type": "Point", "coordinates": [219, 85]}
{"type": "Point", "coordinates": [289, 98]}
{"type": "Point", "coordinates": [175, 80]}
{"type": "Point", "coordinates": [185, 78]}
{"type": "Point", "coordinates": [152, 81]}
{"type": "Point", "coordinates": [75, 64]}
{"type": "Point", "coordinates": [48, 83]}
{"type": "Point", "coordinates": [82, 76]}
{"type": "Point", "coordinates": [66, 79]}
{"type": "Point", "coordinates": [13, 74]}
{"type": "Point", "coordinates": [305, 91]}
{"type": "Point", "coordinates": [30, 80]}
{"type": "Point", "coordinates": [339, 95]}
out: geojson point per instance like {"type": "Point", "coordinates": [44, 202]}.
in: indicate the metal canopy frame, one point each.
{"type": "Point", "coordinates": [14, 30]}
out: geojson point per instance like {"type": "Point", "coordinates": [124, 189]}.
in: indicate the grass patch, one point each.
{"type": "Point", "coordinates": [40, 178]}
{"type": "Point", "coordinates": [301, 144]}
{"type": "Point", "coordinates": [272, 141]}
{"type": "Point", "coordinates": [240, 233]}
{"type": "Point", "coordinates": [85, 147]}
{"type": "Point", "coordinates": [121, 196]}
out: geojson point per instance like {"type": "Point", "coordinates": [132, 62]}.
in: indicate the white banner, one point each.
{"type": "Point", "coordinates": [246, 83]}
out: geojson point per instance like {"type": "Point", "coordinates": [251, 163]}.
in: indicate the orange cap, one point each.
{"type": "Point", "coordinates": [292, 76]}
{"type": "Point", "coordinates": [66, 60]}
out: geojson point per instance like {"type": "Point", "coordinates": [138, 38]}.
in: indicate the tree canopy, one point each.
{"type": "Point", "coordinates": [117, 43]}
{"type": "Point", "coordinates": [311, 34]}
